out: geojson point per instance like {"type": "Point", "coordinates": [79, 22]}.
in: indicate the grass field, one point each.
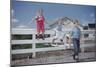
{"type": "Point", "coordinates": [43, 45]}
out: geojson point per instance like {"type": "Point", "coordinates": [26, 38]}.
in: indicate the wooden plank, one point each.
{"type": "Point", "coordinates": [61, 47]}
{"type": "Point", "coordinates": [22, 42]}
{"type": "Point", "coordinates": [36, 50]}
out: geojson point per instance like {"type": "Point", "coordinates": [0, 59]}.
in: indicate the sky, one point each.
{"type": "Point", "coordinates": [22, 12]}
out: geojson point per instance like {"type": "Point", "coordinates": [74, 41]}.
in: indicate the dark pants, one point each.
{"type": "Point", "coordinates": [76, 44]}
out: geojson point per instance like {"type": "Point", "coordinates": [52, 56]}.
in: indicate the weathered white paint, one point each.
{"type": "Point", "coordinates": [47, 40]}
{"type": "Point", "coordinates": [61, 47]}
{"type": "Point", "coordinates": [22, 42]}
{"type": "Point", "coordinates": [29, 31]}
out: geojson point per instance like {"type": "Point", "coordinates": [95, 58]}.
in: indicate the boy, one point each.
{"type": "Point", "coordinates": [76, 34]}
{"type": "Point", "coordinates": [59, 33]}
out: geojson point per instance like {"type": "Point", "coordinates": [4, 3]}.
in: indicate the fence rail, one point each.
{"type": "Point", "coordinates": [33, 41]}
{"type": "Point", "coordinates": [61, 47]}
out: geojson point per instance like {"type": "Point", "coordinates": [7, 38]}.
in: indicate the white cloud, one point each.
{"type": "Point", "coordinates": [21, 26]}
{"type": "Point", "coordinates": [85, 22]}
{"type": "Point", "coordinates": [91, 19]}
{"type": "Point", "coordinates": [14, 20]}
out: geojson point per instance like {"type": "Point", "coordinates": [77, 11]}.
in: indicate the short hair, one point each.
{"type": "Point", "coordinates": [67, 37]}
{"type": "Point", "coordinates": [41, 10]}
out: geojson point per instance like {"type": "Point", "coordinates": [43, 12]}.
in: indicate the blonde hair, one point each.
{"type": "Point", "coordinates": [40, 11]}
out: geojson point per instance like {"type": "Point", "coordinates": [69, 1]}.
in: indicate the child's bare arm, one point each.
{"type": "Point", "coordinates": [33, 19]}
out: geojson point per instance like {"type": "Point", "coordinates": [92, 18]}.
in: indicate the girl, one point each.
{"type": "Point", "coordinates": [40, 23]}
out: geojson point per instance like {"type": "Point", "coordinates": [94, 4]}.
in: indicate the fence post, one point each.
{"type": "Point", "coordinates": [33, 45]}
{"type": "Point", "coordinates": [82, 43]}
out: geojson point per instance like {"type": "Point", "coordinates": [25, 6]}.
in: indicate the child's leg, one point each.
{"type": "Point", "coordinates": [42, 33]}
{"type": "Point", "coordinates": [42, 30]}
{"type": "Point", "coordinates": [61, 41]}
{"type": "Point", "coordinates": [54, 40]}
{"type": "Point", "coordinates": [55, 37]}
{"type": "Point", "coordinates": [68, 41]}
{"type": "Point", "coordinates": [38, 33]}
{"type": "Point", "coordinates": [53, 44]}
{"type": "Point", "coordinates": [38, 30]}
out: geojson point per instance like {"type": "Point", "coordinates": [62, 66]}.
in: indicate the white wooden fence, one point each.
{"type": "Point", "coordinates": [34, 41]}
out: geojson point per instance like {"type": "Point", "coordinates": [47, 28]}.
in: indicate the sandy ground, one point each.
{"type": "Point", "coordinates": [51, 57]}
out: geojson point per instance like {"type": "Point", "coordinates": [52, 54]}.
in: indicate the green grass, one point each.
{"type": "Point", "coordinates": [29, 46]}
{"type": "Point", "coordinates": [42, 45]}
{"type": "Point", "coordinates": [22, 46]}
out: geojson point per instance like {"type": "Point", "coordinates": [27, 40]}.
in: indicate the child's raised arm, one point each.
{"type": "Point", "coordinates": [33, 19]}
